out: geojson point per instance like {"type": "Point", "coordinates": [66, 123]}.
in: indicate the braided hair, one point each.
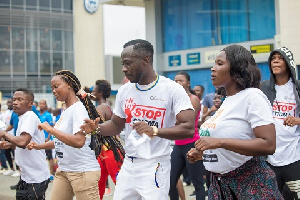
{"type": "Point", "coordinates": [97, 140]}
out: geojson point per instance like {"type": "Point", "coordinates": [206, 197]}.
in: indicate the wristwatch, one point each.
{"type": "Point", "coordinates": [155, 131]}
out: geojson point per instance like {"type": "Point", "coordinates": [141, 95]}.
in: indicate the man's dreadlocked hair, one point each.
{"type": "Point", "coordinates": [97, 140]}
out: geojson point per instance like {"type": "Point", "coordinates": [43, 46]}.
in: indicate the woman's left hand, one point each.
{"type": "Point", "coordinates": [205, 143]}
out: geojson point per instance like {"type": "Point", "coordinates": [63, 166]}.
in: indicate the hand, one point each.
{"type": "Point", "coordinates": [194, 155]}
{"type": "Point", "coordinates": [90, 125]}
{"type": "Point", "coordinates": [2, 134]}
{"type": "Point", "coordinates": [32, 145]}
{"type": "Point", "coordinates": [5, 145]}
{"type": "Point", "coordinates": [45, 126]}
{"type": "Point", "coordinates": [291, 121]}
{"type": "Point", "coordinates": [143, 127]}
{"type": "Point", "coordinates": [205, 143]}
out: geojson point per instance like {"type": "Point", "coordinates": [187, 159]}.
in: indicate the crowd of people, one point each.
{"type": "Point", "coordinates": [241, 140]}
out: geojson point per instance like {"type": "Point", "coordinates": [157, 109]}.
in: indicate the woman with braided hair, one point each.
{"type": "Point", "coordinates": [78, 171]}
{"type": "Point", "coordinates": [106, 159]}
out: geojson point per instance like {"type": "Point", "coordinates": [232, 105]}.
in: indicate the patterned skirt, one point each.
{"type": "Point", "coordinates": [252, 180]}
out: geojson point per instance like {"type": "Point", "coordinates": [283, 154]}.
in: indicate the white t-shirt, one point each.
{"type": "Point", "coordinates": [33, 165]}
{"type": "Point", "coordinates": [236, 118]}
{"type": "Point", "coordinates": [74, 159]}
{"type": "Point", "coordinates": [157, 107]}
{"type": "Point", "coordinates": [287, 137]}
{"type": "Point", "coordinates": [6, 118]}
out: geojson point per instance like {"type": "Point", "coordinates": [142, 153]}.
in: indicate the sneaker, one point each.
{"type": "Point", "coordinates": [193, 194]}
{"type": "Point", "coordinates": [107, 192]}
{"type": "Point", "coordinates": [13, 187]}
{"type": "Point", "coordinates": [8, 172]}
{"type": "Point", "coordinates": [3, 170]}
{"type": "Point", "coordinates": [16, 174]}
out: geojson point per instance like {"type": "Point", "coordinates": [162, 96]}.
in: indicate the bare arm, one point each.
{"type": "Point", "coordinates": [108, 128]}
{"type": "Point", "coordinates": [185, 127]}
{"type": "Point", "coordinates": [76, 140]}
{"type": "Point", "coordinates": [196, 105]}
{"type": "Point", "coordinates": [46, 145]}
{"type": "Point", "coordinates": [263, 144]}
{"type": "Point", "coordinates": [205, 109]}
{"type": "Point", "coordinates": [9, 127]}
{"type": "Point", "coordinates": [20, 141]}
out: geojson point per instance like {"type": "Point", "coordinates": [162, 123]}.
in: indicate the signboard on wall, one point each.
{"type": "Point", "coordinates": [266, 48]}
{"type": "Point", "coordinates": [193, 58]}
{"type": "Point", "coordinates": [210, 56]}
{"type": "Point", "coordinates": [174, 60]}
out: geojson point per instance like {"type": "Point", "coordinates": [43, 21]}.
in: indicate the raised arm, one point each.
{"type": "Point", "coordinates": [263, 144]}
{"type": "Point", "coordinates": [20, 141]}
{"type": "Point", "coordinates": [185, 127]}
{"type": "Point", "coordinates": [76, 140]}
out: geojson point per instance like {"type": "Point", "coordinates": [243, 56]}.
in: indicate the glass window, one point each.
{"type": "Point", "coordinates": [68, 41]}
{"type": "Point", "coordinates": [45, 39]}
{"type": "Point", "coordinates": [31, 39]}
{"type": "Point", "coordinates": [261, 19]}
{"type": "Point", "coordinates": [44, 5]}
{"type": "Point", "coordinates": [57, 62]}
{"type": "Point", "coordinates": [18, 62]}
{"type": "Point", "coordinates": [4, 62]}
{"type": "Point", "coordinates": [68, 6]}
{"type": "Point", "coordinates": [199, 23]}
{"type": "Point", "coordinates": [17, 4]}
{"type": "Point", "coordinates": [57, 40]}
{"type": "Point", "coordinates": [4, 3]}
{"type": "Point", "coordinates": [31, 4]}
{"type": "Point", "coordinates": [69, 61]}
{"type": "Point", "coordinates": [18, 38]}
{"type": "Point", "coordinates": [31, 62]}
{"type": "Point", "coordinates": [56, 5]}
{"type": "Point", "coordinates": [45, 64]}
{"type": "Point", "coordinates": [4, 38]}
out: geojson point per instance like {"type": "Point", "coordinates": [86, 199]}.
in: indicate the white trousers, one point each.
{"type": "Point", "coordinates": [143, 179]}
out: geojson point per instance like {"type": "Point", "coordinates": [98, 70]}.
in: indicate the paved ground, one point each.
{"type": "Point", "coordinates": [7, 194]}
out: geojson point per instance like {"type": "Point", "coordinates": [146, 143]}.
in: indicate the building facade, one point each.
{"type": "Point", "coordinates": [36, 40]}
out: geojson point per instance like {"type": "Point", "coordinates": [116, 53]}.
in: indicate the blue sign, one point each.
{"type": "Point", "coordinates": [175, 60]}
{"type": "Point", "coordinates": [193, 58]}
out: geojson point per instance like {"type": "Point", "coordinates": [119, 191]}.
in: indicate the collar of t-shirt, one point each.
{"type": "Point", "coordinates": [145, 87]}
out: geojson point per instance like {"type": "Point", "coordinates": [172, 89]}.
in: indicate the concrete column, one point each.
{"type": "Point", "coordinates": [88, 44]}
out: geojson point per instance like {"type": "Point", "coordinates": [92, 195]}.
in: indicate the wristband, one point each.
{"type": "Point", "coordinates": [155, 130]}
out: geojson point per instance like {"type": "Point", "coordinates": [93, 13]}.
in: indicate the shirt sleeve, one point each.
{"type": "Point", "coordinates": [206, 101]}
{"type": "Point", "coordinates": [30, 124]}
{"type": "Point", "coordinates": [181, 101]}
{"type": "Point", "coordinates": [11, 121]}
{"type": "Point", "coordinates": [259, 110]}
{"type": "Point", "coordinates": [78, 118]}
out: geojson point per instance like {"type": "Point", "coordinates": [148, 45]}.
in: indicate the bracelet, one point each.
{"type": "Point", "coordinates": [155, 130]}
{"type": "Point", "coordinates": [96, 131]}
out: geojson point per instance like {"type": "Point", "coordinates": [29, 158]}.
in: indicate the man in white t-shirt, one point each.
{"type": "Point", "coordinates": [282, 91]}
{"type": "Point", "coordinates": [33, 165]}
{"type": "Point", "coordinates": [147, 108]}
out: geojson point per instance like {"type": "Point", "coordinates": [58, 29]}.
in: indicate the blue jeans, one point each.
{"type": "Point", "coordinates": [3, 159]}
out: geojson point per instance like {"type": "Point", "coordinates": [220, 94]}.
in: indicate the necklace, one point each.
{"type": "Point", "coordinates": [150, 87]}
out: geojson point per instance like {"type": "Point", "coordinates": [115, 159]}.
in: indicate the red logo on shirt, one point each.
{"type": "Point", "coordinates": [283, 109]}
{"type": "Point", "coordinates": [151, 115]}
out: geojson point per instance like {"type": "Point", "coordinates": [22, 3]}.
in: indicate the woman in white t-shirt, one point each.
{"type": "Point", "coordinates": [78, 171]}
{"type": "Point", "coordinates": [233, 140]}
